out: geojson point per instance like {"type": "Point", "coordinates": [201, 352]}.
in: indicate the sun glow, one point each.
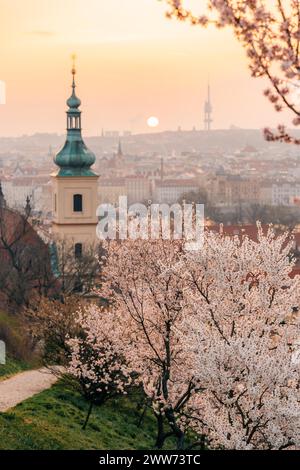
{"type": "Point", "coordinates": [153, 121]}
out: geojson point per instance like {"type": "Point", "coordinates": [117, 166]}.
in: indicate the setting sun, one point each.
{"type": "Point", "coordinates": [153, 121]}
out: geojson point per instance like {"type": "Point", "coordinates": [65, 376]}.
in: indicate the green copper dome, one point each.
{"type": "Point", "coordinates": [74, 159]}
{"type": "Point", "coordinates": [73, 101]}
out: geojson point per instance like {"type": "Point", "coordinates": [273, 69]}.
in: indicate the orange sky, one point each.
{"type": "Point", "coordinates": [132, 63]}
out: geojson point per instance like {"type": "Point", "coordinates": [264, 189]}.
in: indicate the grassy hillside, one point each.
{"type": "Point", "coordinates": [12, 366]}
{"type": "Point", "coordinates": [19, 357]}
{"type": "Point", "coordinates": [53, 420]}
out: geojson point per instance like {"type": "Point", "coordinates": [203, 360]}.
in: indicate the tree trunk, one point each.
{"type": "Point", "coordinates": [88, 416]}
{"type": "Point", "coordinates": [141, 418]}
{"type": "Point", "coordinates": [179, 434]}
{"type": "Point", "coordinates": [180, 440]}
{"type": "Point", "coordinates": [160, 439]}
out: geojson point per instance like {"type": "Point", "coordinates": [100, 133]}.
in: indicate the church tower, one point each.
{"type": "Point", "coordinates": [75, 184]}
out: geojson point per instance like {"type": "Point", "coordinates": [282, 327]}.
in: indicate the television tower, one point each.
{"type": "Point", "coordinates": [208, 111]}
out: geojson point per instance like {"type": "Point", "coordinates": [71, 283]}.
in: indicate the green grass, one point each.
{"type": "Point", "coordinates": [7, 319]}
{"type": "Point", "coordinates": [53, 420]}
{"type": "Point", "coordinates": [12, 367]}
{"type": "Point", "coordinates": [18, 357]}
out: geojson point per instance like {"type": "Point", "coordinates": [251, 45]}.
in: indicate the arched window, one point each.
{"type": "Point", "coordinates": [78, 250]}
{"type": "Point", "coordinates": [77, 203]}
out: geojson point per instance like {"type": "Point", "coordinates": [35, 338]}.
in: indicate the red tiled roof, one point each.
{"type": "Point", "coordinates": [240, 230]}
{"type": "Point", "coordinates": [251, 232]}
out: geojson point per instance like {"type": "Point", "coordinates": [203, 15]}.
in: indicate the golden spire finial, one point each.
{"type": "Point", "coordinates": [73, 57]}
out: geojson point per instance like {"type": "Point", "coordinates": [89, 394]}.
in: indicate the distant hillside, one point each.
{"type": "Point", "coordinates": [162, 142]}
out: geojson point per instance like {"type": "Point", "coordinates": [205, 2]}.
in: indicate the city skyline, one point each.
{"type": "Point", "coordinates": [128, 70]}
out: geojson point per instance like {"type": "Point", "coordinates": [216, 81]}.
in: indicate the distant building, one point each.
{"type": "Point", "coordinates": [266, 193]}
{"type": "Point", "coordinates": [170, 191]}
{"type": "Point", "coordinates": [16, 190]}
{"type": "Point", "coordinates": [141, 189]}
{"type": "Point", "coordinates": [280, 193]}
{"type": "Point", "coordinates": [285, 193]}
{"type": "Point", "coordinates": [152, 169]}
{"type": "Point", "coordinates": [42, 198]}
{"type": "Point", "coordinates": [18, 171]}
{"type": "Point", "coordinates": [110, 189]}
{"type": "Point", "coordinates": [232, 190]}
{"type": "Point", "coordinates": [138, 189]}
{"type": "Point", "coordinates": [117, 161]}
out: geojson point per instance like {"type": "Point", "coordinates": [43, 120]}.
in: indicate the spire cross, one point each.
{"type": "Point", "coordinates": [73, 57]}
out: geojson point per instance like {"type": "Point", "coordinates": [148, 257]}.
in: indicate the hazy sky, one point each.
{"type": "Point", "coordinates": [132, 63]}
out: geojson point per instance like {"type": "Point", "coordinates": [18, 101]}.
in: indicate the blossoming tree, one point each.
{"type": "Point", "coordinates": [242, 332]}
{"type": "Point", "coordinates": [97, 357]}
{"type": "Point", "coordinates": [149, 301]}
{"type": "Point", "coordinates": [270, 34]}
{"type": "Point", "coordinates": [211, 335]}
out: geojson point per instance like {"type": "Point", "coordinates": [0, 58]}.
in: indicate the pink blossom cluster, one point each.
{"type": "Point", "coordinates": [97, 356]}
{"type": "Point", "coordinates": [243, 331]}
{"type": "Point", "coordinates": [211, 336]}
{"type": "Point", "coordinates": [149, 299]}
{"type": "Point", "coordinates": [270, 34]}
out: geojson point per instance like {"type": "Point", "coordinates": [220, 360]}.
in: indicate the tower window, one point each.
{"type": "Point", "coordinates": [77, 203]}
{"type": "Point", "coordinates": [78, 250]}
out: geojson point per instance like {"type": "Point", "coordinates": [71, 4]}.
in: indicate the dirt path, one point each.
{"type": "Point", "coordinates": [24, 385]}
